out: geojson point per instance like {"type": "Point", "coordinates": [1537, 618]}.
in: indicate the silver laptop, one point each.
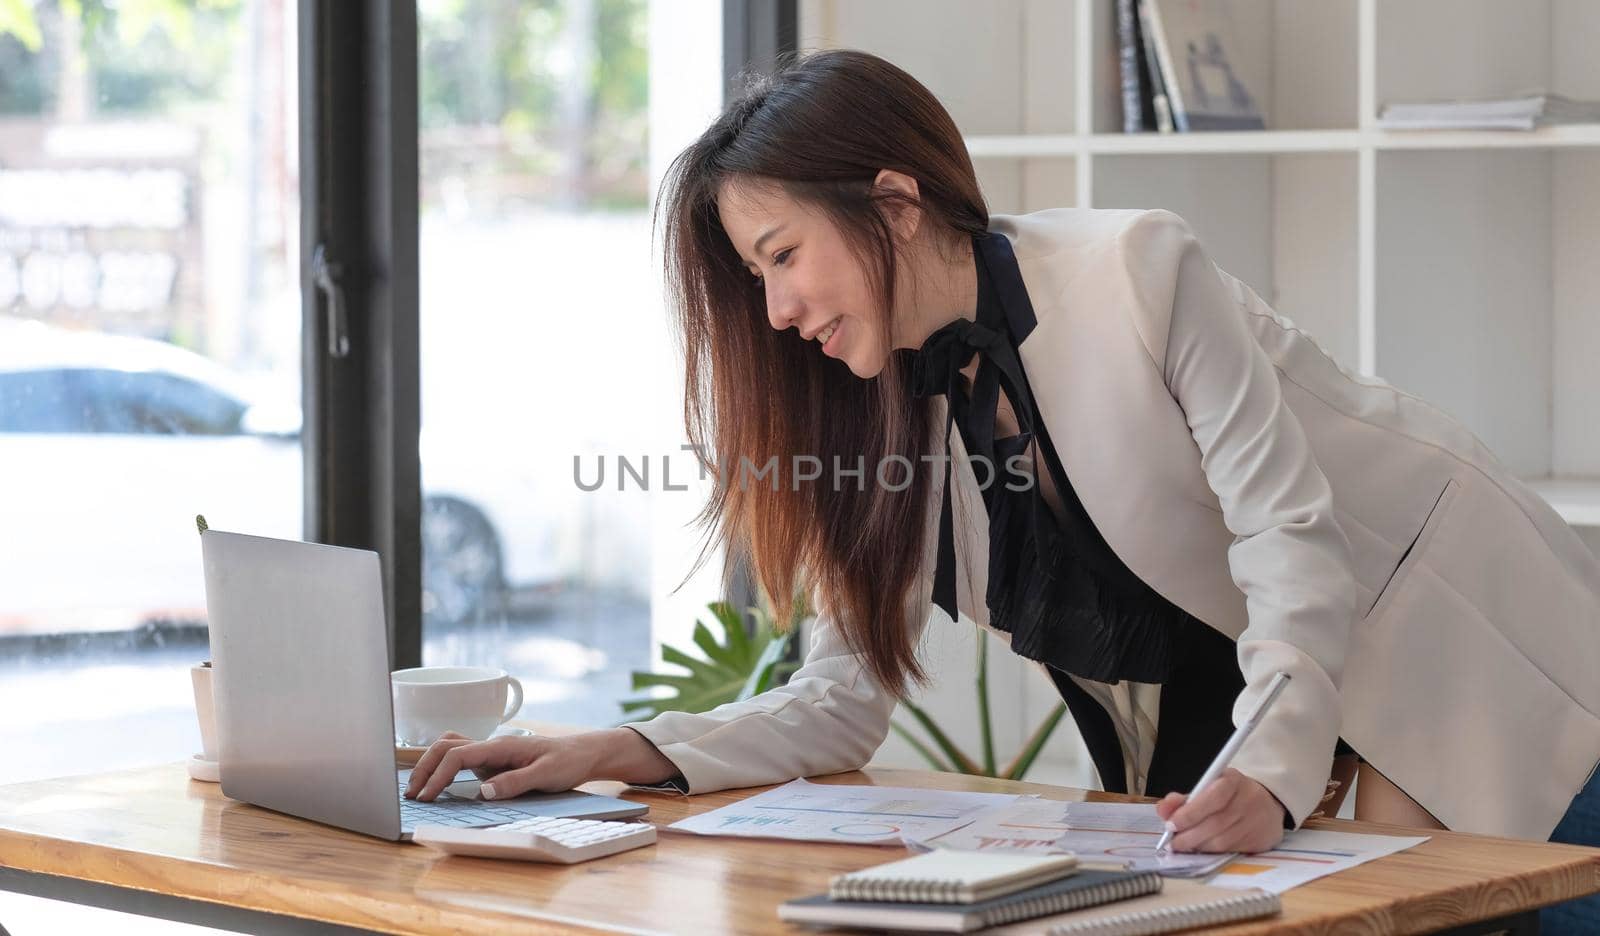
{"type": "Point", "coordinates": [305, 720]}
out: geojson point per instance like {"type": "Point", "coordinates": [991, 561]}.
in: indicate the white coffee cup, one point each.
{"type": "Point", "coordinates": [469, 700]}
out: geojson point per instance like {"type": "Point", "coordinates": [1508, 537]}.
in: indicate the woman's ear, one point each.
{"type": "Point", "coordinates": [904, 207]}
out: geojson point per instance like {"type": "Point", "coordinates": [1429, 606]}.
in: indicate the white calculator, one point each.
{"type": "Point", "coordinates": [540, 838]}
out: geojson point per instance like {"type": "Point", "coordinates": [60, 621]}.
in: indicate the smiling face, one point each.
{"type": "Point", "coordinates": [813, 281]}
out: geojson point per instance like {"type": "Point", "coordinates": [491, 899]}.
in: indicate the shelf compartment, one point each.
{"type": "Point", "coordinates": [1485, 297]}
{"type": "Point", "coordinates": [1300, 58]}
{"type": "Point", "coordinates": [1445, 49]}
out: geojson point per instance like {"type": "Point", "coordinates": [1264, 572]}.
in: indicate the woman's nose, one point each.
{"type": "Point", "coordinates": [783, 310]}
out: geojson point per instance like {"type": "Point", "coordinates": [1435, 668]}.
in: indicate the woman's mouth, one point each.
{"type": "Point", "coordinates": [828, 334]}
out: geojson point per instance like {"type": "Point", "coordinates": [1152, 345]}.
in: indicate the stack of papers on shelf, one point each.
{"type": "Point", "coordinates": [1521, 112]}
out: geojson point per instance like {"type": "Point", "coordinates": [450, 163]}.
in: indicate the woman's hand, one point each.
{"type": "Point", "coordinates": [1232, 814]}
{"type": "Point", "coordinates": [511, 765]}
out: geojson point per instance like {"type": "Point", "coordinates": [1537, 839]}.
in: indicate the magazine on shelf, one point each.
{"type": "Point", "coordinates": [1523, 111]}
{"type": "Point", "coordinates": [1204, 65]}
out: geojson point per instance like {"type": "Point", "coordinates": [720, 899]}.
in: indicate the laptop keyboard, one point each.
{"type": "Point", "coordinates": [450, 811]}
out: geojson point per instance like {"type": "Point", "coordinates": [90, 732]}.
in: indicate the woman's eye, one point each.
{"type": "Point", "coordinates": [782, 257]}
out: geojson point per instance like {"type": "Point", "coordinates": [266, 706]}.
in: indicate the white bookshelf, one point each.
{"type": "Point", "coordinates": [1461, 266]}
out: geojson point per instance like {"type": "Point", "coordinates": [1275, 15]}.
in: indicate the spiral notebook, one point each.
{"type": "Point", "coordinates": [1086, 888]}
{"type": "Point", "coordinates": [947, 876]}
{"type": "Point", "coordinates": [1180, 905]}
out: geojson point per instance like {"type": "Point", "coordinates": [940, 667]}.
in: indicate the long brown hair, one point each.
{"type": "Point", "coordinates": [819, 129]}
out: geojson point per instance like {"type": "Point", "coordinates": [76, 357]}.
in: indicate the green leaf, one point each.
{"type": "Point", "coordinates": [733, 628]}
{"type": "Point", "coordinates": [927, 755]}
{"type": "Point", "coordinates": [761, 678]}
{"type": "Point", "coordinates": [651, 680]}
{"type": "Point", "coordinates": [696, 667]}
{"type": "Point", "coordinates": [985, 732]}
{"type": "Point", "coordinates": [737, 666]}
{"type": "Point", "coordinates": [1019, 767]}
{"type": "Point", "coordinates": [719, 653]}
{"type": "Point", "coordinates": [962, 762]}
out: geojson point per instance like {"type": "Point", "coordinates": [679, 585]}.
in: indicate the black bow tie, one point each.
{"type": "Point", "coordinates": [945, 352]}
{"type": "Point", "coordinates": [936, 371]}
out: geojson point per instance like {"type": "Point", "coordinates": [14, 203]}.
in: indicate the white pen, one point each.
{"type": "Point", "coordinates": [1225, 755]}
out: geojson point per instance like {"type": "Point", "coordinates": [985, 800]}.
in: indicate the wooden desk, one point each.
{"type": "Point", "coordinates": [155, 842]}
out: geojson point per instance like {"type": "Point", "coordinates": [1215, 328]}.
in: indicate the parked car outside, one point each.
{"type": "Point", "coordinates": [110, 445]}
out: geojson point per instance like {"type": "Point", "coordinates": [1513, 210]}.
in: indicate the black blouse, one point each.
{"type": "Point", "coordinates": [1055, 585]}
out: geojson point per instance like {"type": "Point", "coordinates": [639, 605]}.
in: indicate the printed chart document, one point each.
{"type": "Point", "coordinates": [1121, 834]}
{"type": "Point", "coordinates": [1128, 832]}
{"type": "Point", "coordinates": [1030, 826]}
{"type": "Point", "coordinates": [1307, 854]}
{"type": "Point", "coordinates": [1125, 834]}
{"type": "Point", "coordinates": [822, 812]}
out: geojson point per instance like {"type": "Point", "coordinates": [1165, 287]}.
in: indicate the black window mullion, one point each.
{"type": "Point", "coordinates": [358, 119]}
{"type": "Point", "coordinates": [754, 34]}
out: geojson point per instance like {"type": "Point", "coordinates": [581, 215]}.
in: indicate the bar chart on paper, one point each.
{"type": "Point", "coordinates": [1306, 855]}
{"type": "Point", "coordinates": [1102, 833]}
{"type": "Point", "coordinates": [835, 813]}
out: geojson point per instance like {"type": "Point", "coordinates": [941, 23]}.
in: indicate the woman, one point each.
{"type": "Point", "coordinates": [1160, 491]}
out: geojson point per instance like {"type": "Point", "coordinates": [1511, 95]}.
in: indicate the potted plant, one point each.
{"type": "Point", "coordinates": [742, 664]}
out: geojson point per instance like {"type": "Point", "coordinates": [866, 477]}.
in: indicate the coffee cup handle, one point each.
{"type": "Point", "coordinates": [515, 705]}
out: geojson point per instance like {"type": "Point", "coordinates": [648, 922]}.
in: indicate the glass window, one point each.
{"type": "Point", "coordinates": [545, 345]}
{"type": "Point", "coordinates": [149, 298]}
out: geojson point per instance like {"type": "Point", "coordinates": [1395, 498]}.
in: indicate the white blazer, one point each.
{"type": "Point", "coordinates": [1429, 607]}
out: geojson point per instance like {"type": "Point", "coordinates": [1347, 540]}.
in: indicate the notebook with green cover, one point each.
{"type": "Point", "coordinates": [1087, 888]}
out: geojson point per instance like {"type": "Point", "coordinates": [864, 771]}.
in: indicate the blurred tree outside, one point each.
{"type": "Point", "coordinates": [533, 104]}
{"type": "Point", "coordinates": [75, 58]}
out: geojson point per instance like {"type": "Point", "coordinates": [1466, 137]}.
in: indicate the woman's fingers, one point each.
{"type": "Point", "coordinates": [1215, 797]}
{"type": "Point", "coordinates": [1211, 834]}
{"type": "Point", "coordinates": [487, 755]}
{"type": "Point", "coordinates": [1236, 814]}
{"type": "Point", "coordinates": [535, 776]}
{"type": "Point", "coordinates": [556, 764]}
{"type": "Point", "coordinates": [428, 763]}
